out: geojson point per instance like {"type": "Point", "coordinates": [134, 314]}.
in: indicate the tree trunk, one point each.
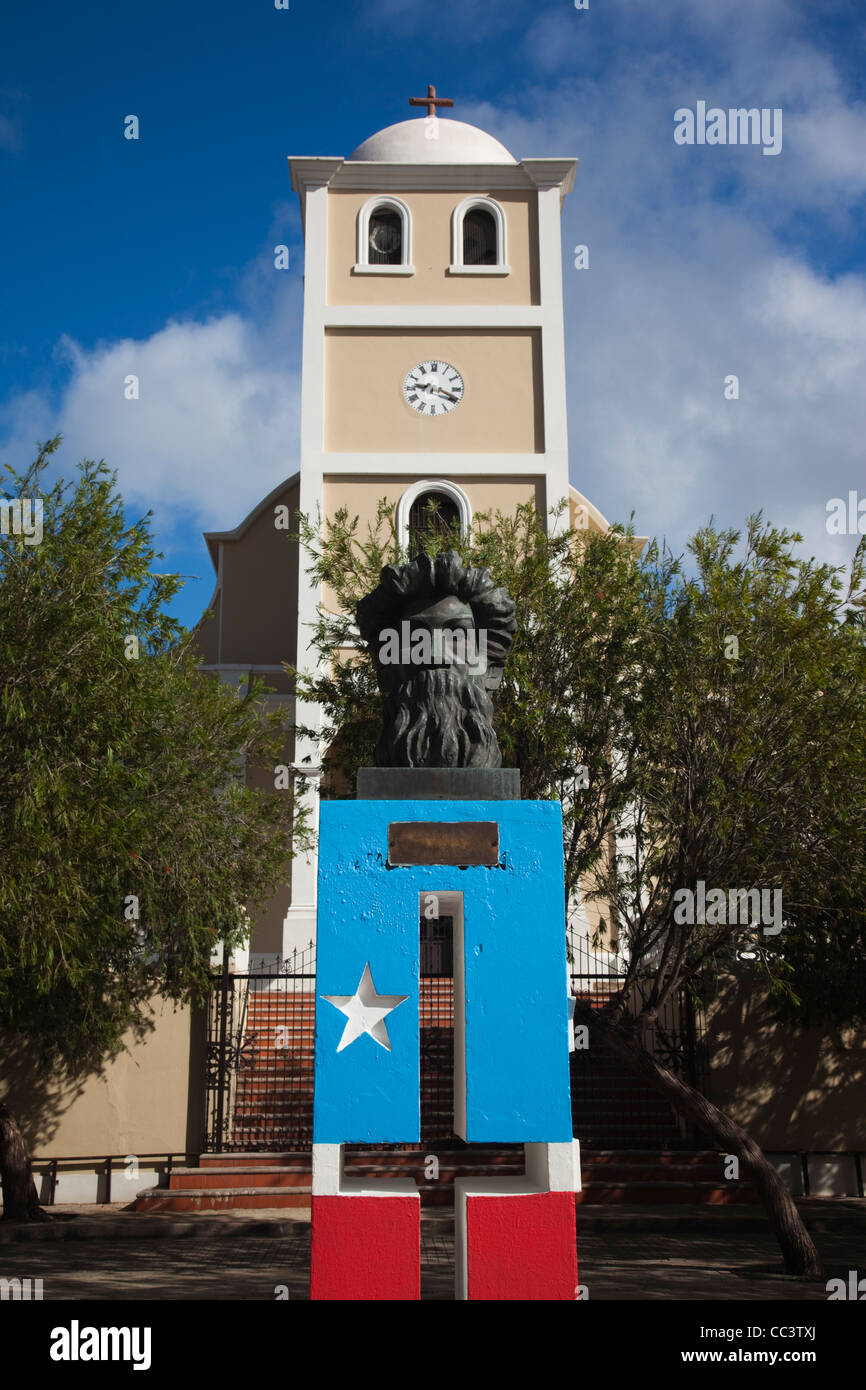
{"type": "Point", "coordinates": [798, 1249]}
{"type": "Point", "coordinates": [20, 1202]}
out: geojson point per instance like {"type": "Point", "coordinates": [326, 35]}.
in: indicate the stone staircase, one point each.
{"type": "Point", "coordinates": [610, 1177]}
{"type": "Point", "coordinates": [658, 1177]}
{"type": "Point", "coordinates": [273, 1101]}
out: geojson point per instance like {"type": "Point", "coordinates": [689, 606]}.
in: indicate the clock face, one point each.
{"type": "Point", "coordinates": [433, 388]}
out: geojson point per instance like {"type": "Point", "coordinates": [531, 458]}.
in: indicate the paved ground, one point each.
{"type": "Point", "coordinates": [634, 1254]}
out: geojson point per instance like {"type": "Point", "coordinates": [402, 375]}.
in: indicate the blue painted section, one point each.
{"type": "Point", "coordinates": [517, 1073]}
{"type": "Point", "coordinates": [516, 1011]}
{"type": "Point", "coordinates": [364, 1094]}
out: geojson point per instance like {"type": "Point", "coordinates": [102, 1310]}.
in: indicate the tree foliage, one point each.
{"type": "Point", "coordinates": [750, 775]}
{"type": "Point", "coordinates": [130, 845]}
{"type": "Point", "coordinates": [679, 754]}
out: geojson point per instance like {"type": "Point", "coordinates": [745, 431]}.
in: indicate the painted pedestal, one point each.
{"type": "Point", "coordinates": [499, 865]}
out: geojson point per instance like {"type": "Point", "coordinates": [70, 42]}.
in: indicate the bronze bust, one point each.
{"type": "Point", "coordinates": [439, 634]}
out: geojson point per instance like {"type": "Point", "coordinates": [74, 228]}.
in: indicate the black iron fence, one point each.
{"type": "Point", "coordinates": [611, 1107]}
{"type": "Point", "coordinates": [260, 1056]}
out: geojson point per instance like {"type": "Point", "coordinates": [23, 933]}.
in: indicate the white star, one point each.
{"type": "Point", "coordinates": [365, 1011]}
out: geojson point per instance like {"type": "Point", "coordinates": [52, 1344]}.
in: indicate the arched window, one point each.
{"type": "Point", "coordinates": [431, 505]}
{"type": "Point", "coordinates": [478, 238]}
{"type": "Point", "coordinates": [432, 513]}
{"type": "Point", "coordinates": [384, 238]}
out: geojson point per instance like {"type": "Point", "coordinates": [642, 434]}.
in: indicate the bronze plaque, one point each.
{"type": "Point", "coordinates": [463, 843]}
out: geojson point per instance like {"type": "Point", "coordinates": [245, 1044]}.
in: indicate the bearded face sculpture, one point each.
{"type": "Point", "coordinates": [439, 634]}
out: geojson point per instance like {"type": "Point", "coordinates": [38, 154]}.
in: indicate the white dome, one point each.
{"type": "Point", "coordinates": [409, 143]}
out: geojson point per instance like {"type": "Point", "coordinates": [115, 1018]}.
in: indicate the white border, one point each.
{"type": "Point", "coordinates": [329, 1179]}
{"type": "Point", "coordinates": [363, 266]}
{"type": "Point", "coordinates": [490, 205]}
{"type": "Point", "coordinates": [417, 490]}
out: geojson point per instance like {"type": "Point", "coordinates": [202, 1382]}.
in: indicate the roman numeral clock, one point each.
{"type": "Point", "coordinates": [433, 388]}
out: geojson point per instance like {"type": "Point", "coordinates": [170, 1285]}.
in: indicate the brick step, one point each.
{"type": "Point", "coordinates": [659, 1156]}
{"type": "Point", "coordinates": [267, 1105]}
{"type": "Point", "coordinates": [216, 1199]}
{"type": "Point", "coordinates": [260, 1020]}
{"type": "Point", "coordinates": [183, 1179]}
{"type": "Point", "coordinates": [270, 1076]}
{"type": "Point", "coordinates": [284, 1068]}
{"type": "Point", "coordinates": [254, 1159]}
{"type": "Point", "coordinates": [613, 1106]}
{"type": "Point", "coordinates": [281, 1007]}
{"type": "Point", "coordinates": [612, 1173]}
{"type": "Point", "coordinates": [262, 1092]}
{"type": "Point", "coordinates": [665, 1193]}
{"type": "Point", "coordinates": [448, 1173]}
{"type": "Point", "coordinates": [253, 1137]}
{"type": "Point", "coordinates": [284, 1121]}
{"type": "Point", "coordinates": [303, 1015]}
{"type": "Point", "coordinates": [372, 1160]}
{"type": "Point", "coordinates": [282, 1097]}
{"type": "Point", "coordinates": [623, 1139]}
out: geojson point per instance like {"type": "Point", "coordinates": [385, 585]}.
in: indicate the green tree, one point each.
{"type": "Point", "coordinates": [750, 776]}
{"type": "Point", "coordinates": [678, 756]}
{"type": "Point", "coordinates": [130, 844]}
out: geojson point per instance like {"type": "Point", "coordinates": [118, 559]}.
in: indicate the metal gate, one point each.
{"type": "Point", "coordinates": [260, 1041]}
{"type": "Point", "coordinates": [611, 1107]}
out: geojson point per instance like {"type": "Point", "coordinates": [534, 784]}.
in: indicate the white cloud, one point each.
{"type": "Point", "coordinates": [215, 427]}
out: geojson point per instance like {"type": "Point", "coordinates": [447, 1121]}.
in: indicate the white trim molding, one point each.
{"type": "Point", "coordinates": [363, 266]}
{"type": "Point", "coordinates": [457, 266]}
{"type": "Point", "coordinates": [411, 495]}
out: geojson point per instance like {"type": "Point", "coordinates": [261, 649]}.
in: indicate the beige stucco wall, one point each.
{"type": "Point", "coordinates": [148, 1100]}
{"type": "Point", "coordinates": [365, 412]}
{"type": "Point", "coordinates": [431, 254]}
{"type": "Point", "coordinates": [259, 595]}
{"type": "Point", "coordinates": [791, 1088]}
{"type": "Point", "coordinates": [361, 495]}
{"type": "Point", "coordinates": [267, 924]}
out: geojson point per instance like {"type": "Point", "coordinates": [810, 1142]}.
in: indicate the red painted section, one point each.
{"type": "Point", "coordinates": [365, 1248]}
{"type": "Point", "coordinates": [522, 1247]}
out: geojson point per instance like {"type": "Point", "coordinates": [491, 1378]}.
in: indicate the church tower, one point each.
{"type": "Point", "coordinates": [433, 348]}
{"type": "Point", "coordinates": [433, 364]}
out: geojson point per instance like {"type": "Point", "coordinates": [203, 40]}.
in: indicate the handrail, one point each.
{"type": "Point", "coordinates": [108, 1162]}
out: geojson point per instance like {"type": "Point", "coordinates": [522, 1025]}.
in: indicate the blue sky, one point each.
{"type": "Point", "coordinates": [155, 256]}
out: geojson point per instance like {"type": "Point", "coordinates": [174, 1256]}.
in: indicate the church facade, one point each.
{"type": "Point", "coordinates": [433, 372]}
{"type": "Point", "coordinates": [433, 367]}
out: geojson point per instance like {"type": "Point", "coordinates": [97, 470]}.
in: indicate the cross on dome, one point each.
{"type": "Point", "coordinates": [431, 101]}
